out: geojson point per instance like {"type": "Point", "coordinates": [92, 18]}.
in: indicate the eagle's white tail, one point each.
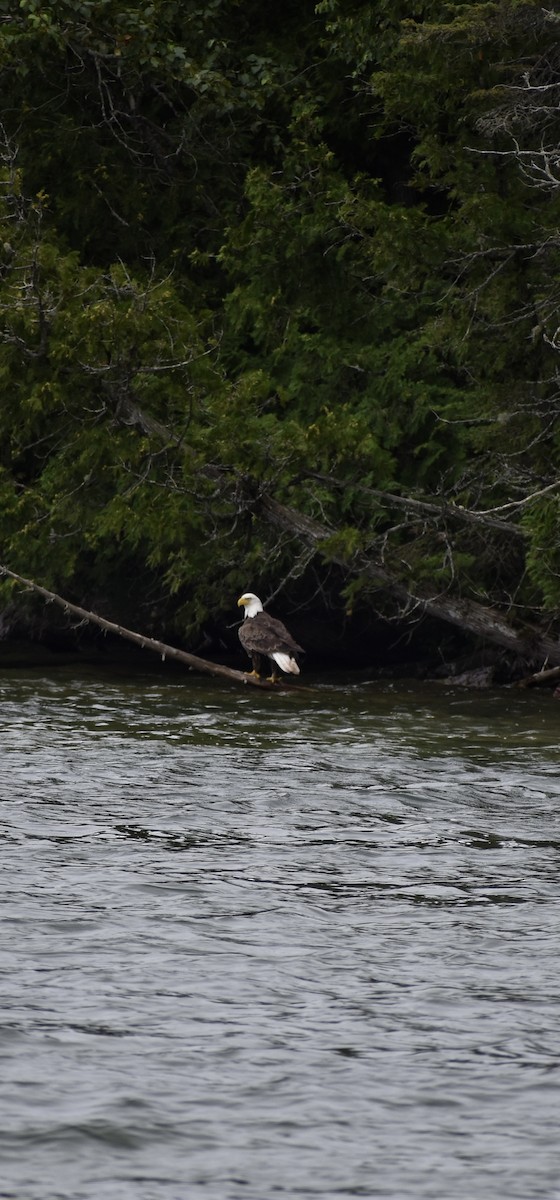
{"type": "Point", "coordinates": [286, 663]}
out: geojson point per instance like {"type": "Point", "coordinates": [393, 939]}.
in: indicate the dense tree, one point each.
{"type": "Point", "coordinates": [304, 258]}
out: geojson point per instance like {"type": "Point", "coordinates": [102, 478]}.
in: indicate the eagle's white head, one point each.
{"type": "Point", "coordinates": [250, 603]}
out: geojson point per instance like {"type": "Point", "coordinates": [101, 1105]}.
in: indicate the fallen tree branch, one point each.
{"type": "Point", "coordinates": [547, 676]}
{"type": "Point", "coordinates": [528, 643]}
{"type": "Point", "coordinates": [147, 643]}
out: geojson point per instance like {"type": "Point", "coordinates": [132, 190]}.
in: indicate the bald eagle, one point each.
{"type": "Point", "coordinates": [262, 636]}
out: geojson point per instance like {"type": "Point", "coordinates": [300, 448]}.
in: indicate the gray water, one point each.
{"type": "Point", "coordinates": [263, 945]}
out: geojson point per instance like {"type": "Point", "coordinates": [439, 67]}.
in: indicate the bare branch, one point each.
{"type": "Point", "coordinates": [521, 503]}
{"type": "Point", "coordinates": [146, 643]}
{"type": "Point", "coordinates": [412, 504]}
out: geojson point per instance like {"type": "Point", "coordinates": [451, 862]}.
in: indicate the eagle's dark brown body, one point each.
{"type": "Point", "coordinates": [263, 636]}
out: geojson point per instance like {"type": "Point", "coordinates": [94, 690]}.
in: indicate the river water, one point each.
{"type": "Point", "coordinates": [259, 945]}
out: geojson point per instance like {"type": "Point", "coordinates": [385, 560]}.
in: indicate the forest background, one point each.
{"type": "Point", "coordinates": [279, 310]}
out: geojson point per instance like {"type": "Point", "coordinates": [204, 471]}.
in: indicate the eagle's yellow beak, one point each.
{"type": "Point", "coordinates": [241, 602]}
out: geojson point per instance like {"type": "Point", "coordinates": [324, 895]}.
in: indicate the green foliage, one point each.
{"type": "Point", "coordinates": [542, 522]}
{"type": "Point", "coordinates": [248, 250]}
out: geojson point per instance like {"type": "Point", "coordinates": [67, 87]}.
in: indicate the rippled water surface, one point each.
{"type": "Point", "coordinates": [263, 945]}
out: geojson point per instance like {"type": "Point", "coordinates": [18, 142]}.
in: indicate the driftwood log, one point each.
{"type": "Point", "coordinates": [539, 677]}
{"type": "Point", "coordinates": [146, 643]}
